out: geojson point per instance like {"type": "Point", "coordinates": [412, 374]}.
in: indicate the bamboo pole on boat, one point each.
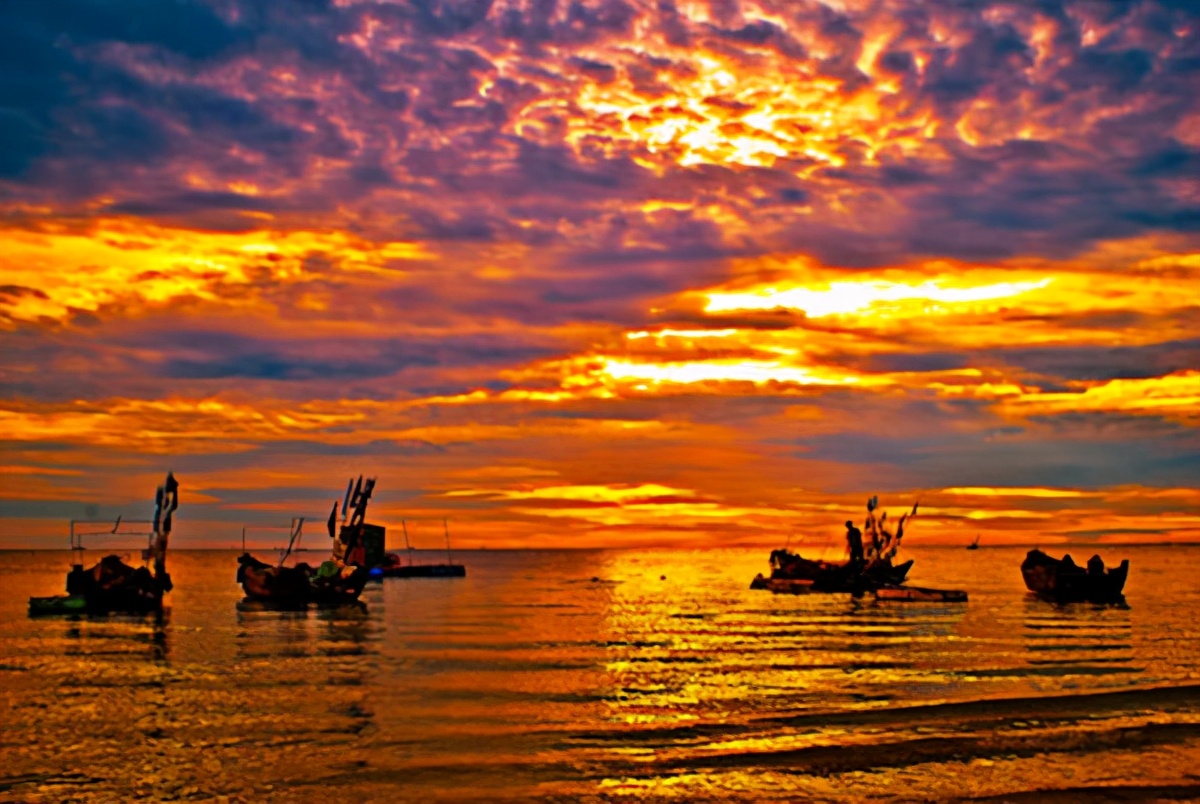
{"type": "Point", "coordinates": [446, 529]}
{"type": "Point", "coordinates": [297, 525]}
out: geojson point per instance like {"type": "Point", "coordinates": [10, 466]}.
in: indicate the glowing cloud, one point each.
{"type": "Point", "coordinates": [841, 298]}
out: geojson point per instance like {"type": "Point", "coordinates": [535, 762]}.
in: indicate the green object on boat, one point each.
{"type": "Point", "coordinates": [59, 604]}
{"type": "Point", "coordinates": [328, 569]}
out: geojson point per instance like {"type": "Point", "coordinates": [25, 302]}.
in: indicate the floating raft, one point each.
{"type": "Point", "coordinates": [424, 571]}
{"type": "Point", "coordinates": [917, 594]}
{"type": "Point", "coordinates": [783, 586]}
{"type": "Point", "coordinates": [57, 605]}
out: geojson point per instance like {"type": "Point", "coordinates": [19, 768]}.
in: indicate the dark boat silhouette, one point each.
{"type": "Point", "coordinates": [794, 574]}
{"type": "Point", "coordinates": [299, 585]}
{"type": "Point", "coordinates": [338, 580]}
{"type": "Point", "coordinates": [1064, 581]}
{"type": "Point", "coordinates": [111, 585]}
{"type": "Point", "coordinates": [394, 567]}
{"type": "Point", "coordinates": [974, 545]}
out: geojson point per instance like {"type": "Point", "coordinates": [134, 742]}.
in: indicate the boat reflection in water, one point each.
{"type": "Point", "coordinates": [119, 637]}
{"type": "Point", "coordinates": [1079, 640]}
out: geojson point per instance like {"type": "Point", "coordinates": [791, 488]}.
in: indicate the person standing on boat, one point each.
{"type": "Point", "coordinates": [854, 540]}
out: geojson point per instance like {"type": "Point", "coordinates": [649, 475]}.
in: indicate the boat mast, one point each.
{"type": "Point", "coordinates": [166, 500]}
{"type": "Point", "coordinates": [407, 546]}
{"type": "Point", "coordinates": [293, 539]}
{"type": "Point", "coordinates": [446, 529]}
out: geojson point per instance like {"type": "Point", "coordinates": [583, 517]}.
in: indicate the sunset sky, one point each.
{"type": "Point", "coordinates": [603, 272]}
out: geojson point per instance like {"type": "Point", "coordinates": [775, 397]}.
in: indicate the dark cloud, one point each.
{"type": "Point", "coordinates": [1050, 365]}
{"type": "Point", "coordinates": [406, 110]}
{"type": "Point", "coordinates": [224, 356]}
{"type": "Point", "coordinates": [1109, 454]}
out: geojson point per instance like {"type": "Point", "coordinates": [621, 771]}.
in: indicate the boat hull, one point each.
{"type": "Point", "coordinates": [298, 585]}
{"type": "Point", "coordinates": [1064, 581]}
{"type": "Point", "coordinates": [424, 571]}
{"type": "Point", "coordinates": [110, 585]}
{"type": "Point", "coordinates": [819, 576]}
{"type": "Point", "coordinates": [57, 605]}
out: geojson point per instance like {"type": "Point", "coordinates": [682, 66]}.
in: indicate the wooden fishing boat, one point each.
{"type": "Point", "coordinates": [299, 585]}
{"type": "Point", "coordinates": [918, 594]}
{"type": "Point", "coordinates": [111, 585]}
{"type": "Point", "coordinates": [340, 579]}
{"type": "Point", "coordinates": [791, 573]}
{"type": "Point", "coordinates": [824, 576]}
{"type": "Point", "coordinates": [1064, 581]}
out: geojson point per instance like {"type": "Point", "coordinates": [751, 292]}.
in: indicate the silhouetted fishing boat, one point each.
{"type": "Point", "coordinates": [335, 581]}
{"type": "Point", "coordinates": [791, 573]}
{"type": "Point", "coordinates": [975, 544]}
{"type": "Point", "coordinates": [1064, 581]}
{"type": "Point", "coordinates": [111, 585]}
{"type": "Point", "coordinates": [394, 567]}
{"type": "Point", "coordinates": [301, 584]}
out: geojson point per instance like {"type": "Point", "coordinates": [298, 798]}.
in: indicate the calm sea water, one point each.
{"type": "Point", "coordinates": [607, 676]}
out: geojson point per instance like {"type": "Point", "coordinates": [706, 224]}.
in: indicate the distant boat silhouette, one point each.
{"type": "Point", "coordinates": [975, 544]}
{"type": "Point", "coordinates": [112, 585]}
{"type": "Point", "coordinates": [393, 567]}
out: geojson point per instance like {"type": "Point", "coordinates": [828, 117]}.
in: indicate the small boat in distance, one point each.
{"type": "Point", "coordinates": [394, 567]}
{"type": "Point", "coordinates": [975, 544]}
{"type": "Point", "coordinates": [1063, 581]}
{"type": "Point", "coordinates": [111, 585]}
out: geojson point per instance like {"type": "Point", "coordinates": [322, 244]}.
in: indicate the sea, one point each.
{"type": "Point", "coordinates": [609, 676]}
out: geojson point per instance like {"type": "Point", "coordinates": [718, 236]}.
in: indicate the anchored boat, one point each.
{"type": "Point", "coordinates": [299, 585]}
{"type": "Point", "coordinates": [111, 585]}
{"type": "Point", "coordinates": [1064, 581]}
{"type": "Point", "coordinates": [338, 580]}
{"type": "Point", "coordinates": [794, 574]}
{"type": "Point", "coordinates": [394, 567]}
